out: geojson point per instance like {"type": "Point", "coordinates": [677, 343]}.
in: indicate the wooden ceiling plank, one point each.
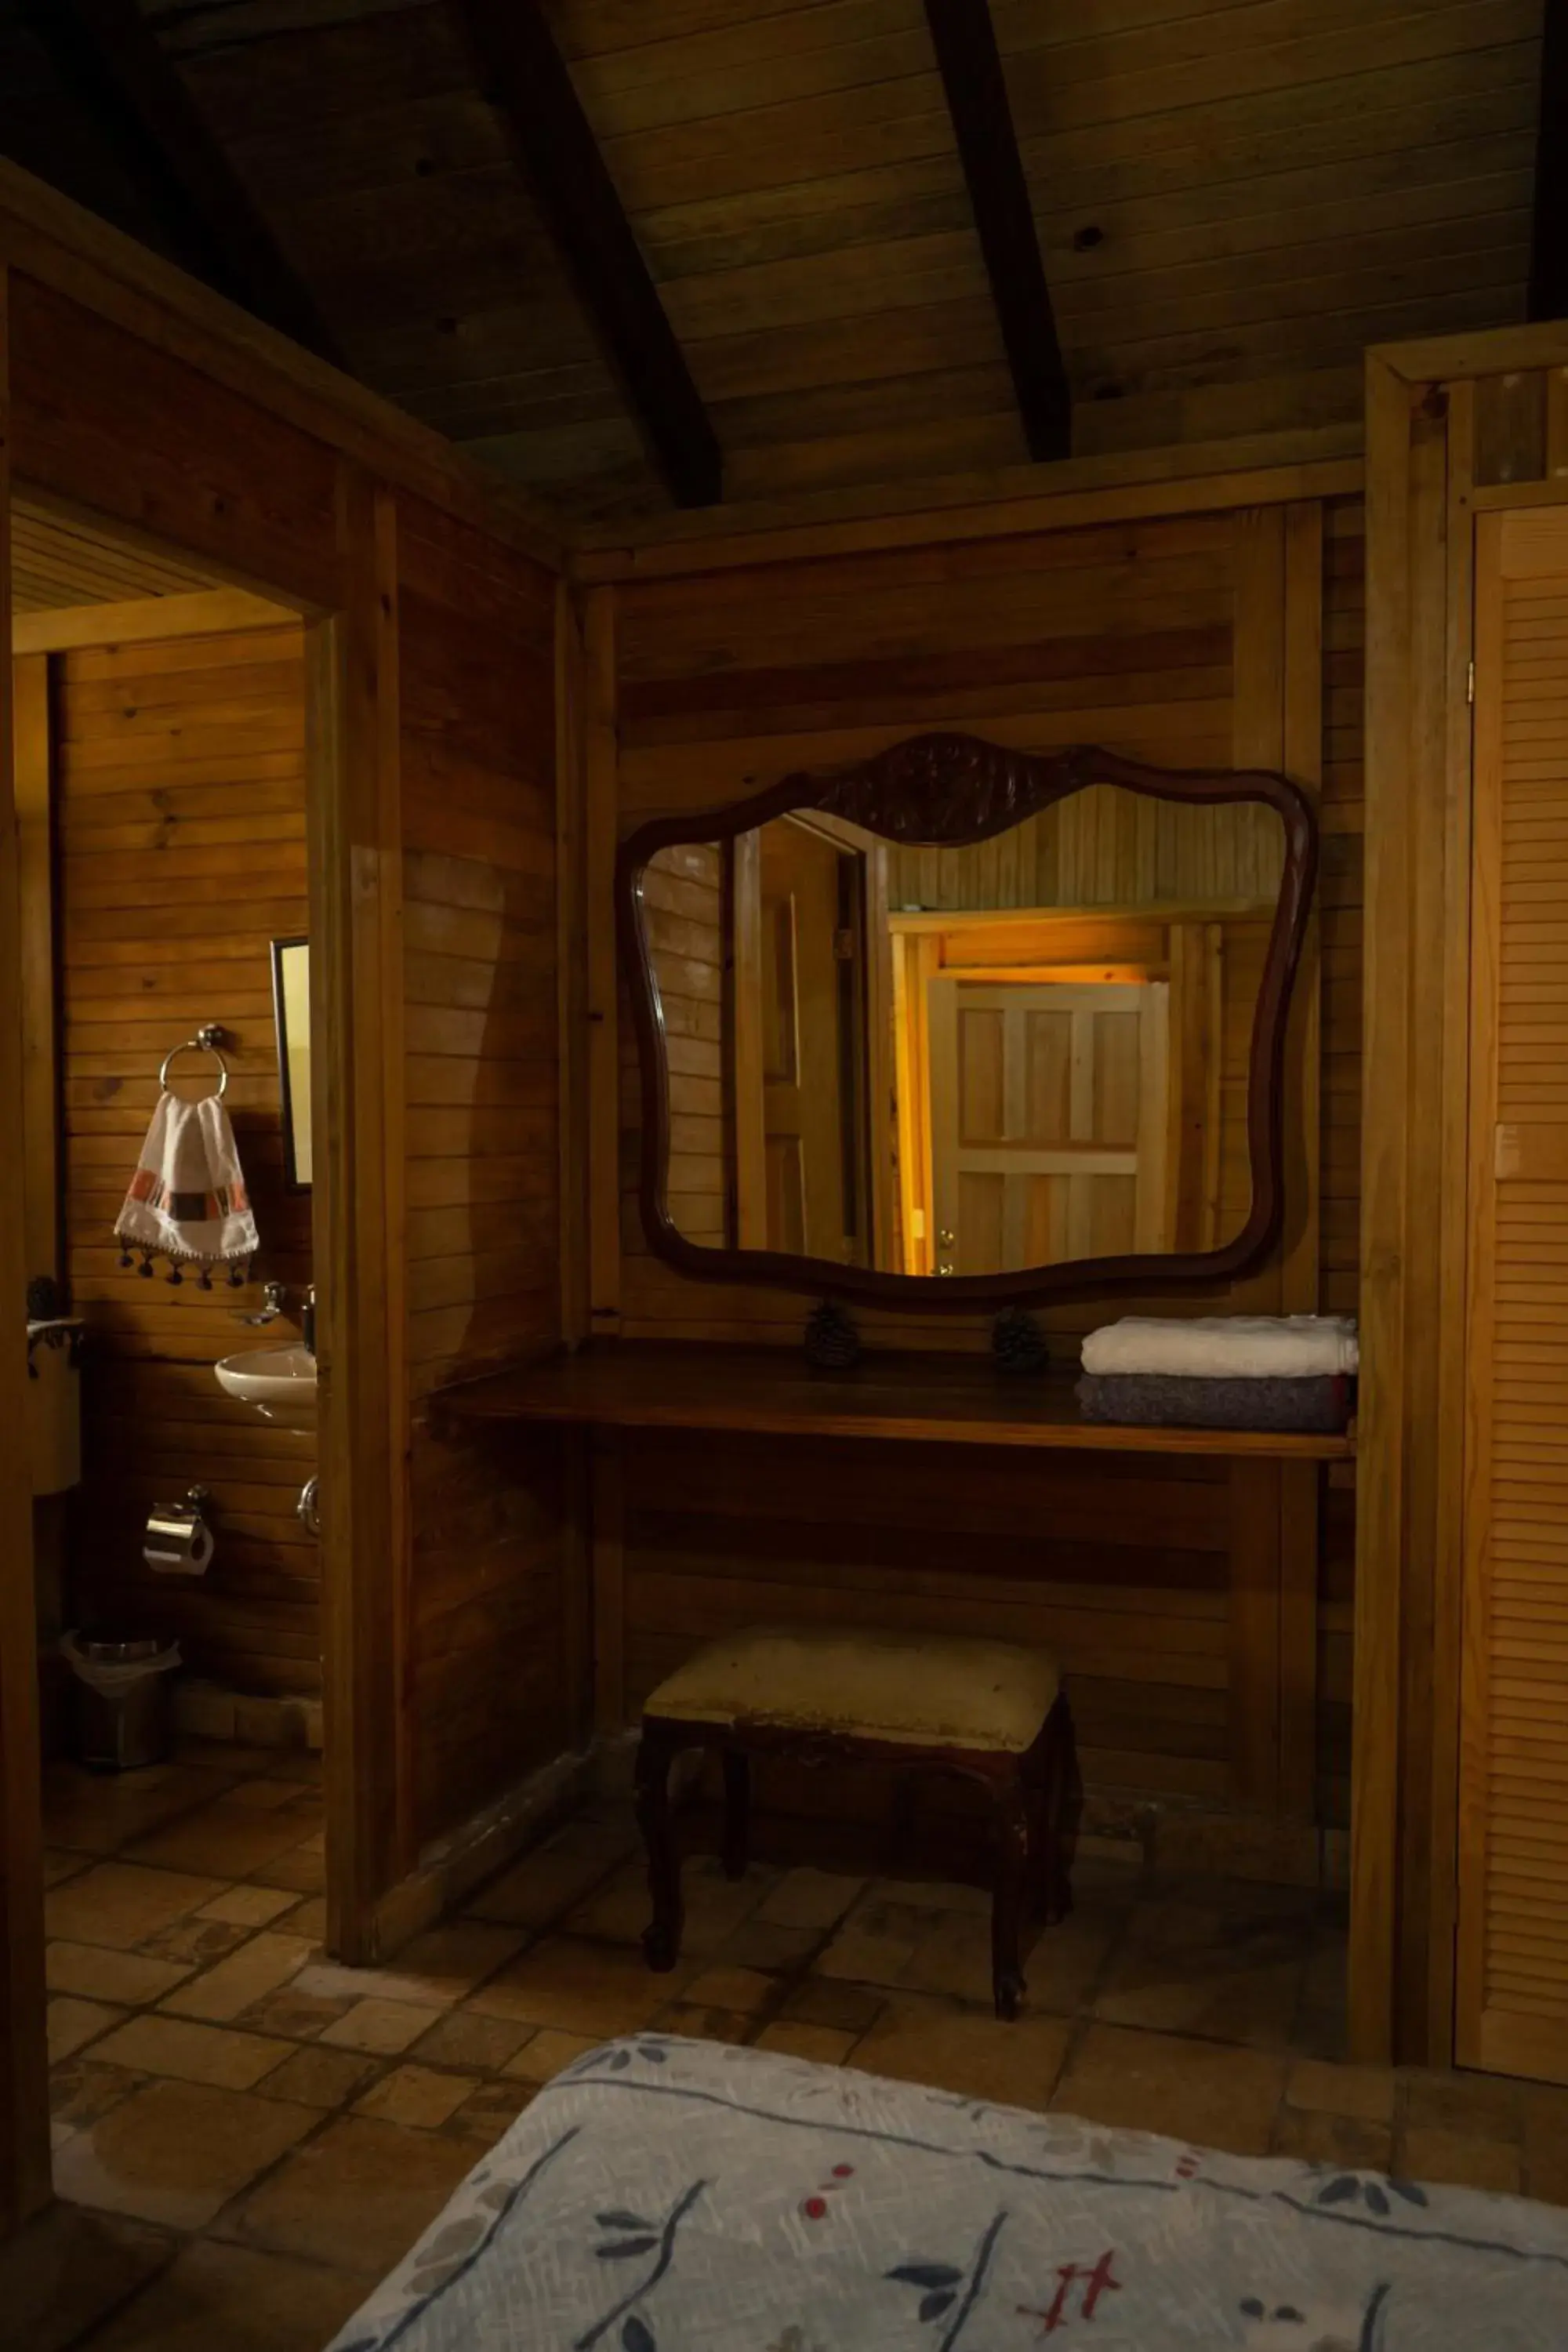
{"type": "Point", "coordinates": [599, 28]}
{"type": "Point", "coordinates": [1238, 290]}
{"type": "Point", "coordinates": [1177, 363]}
{"type": "Point", "coordinates": [60, 560]}
{"type": "Point", "coordinates": [777, 146]}
{"type": "Point", "coordinates": [799, 53]}
{"type": "Point", "coordinates": [971, 67]}
{"type": "Point", "coordinates": [110, 56]}
{"type": "Point", "coordinates": [217, 611]}
{"type": "Point", "coordinates": [1322, 206]}
{"type": "Point", "coordinates": [85, 564]}
{"type": "Point", "coordinates": [554, 145]}
{"type": "Point", "coordinates": [1144, 75]}
{"type": "Point", "coordinates": [1547, 296]}
{"type": "Point", "coordinates": [1393, 107]}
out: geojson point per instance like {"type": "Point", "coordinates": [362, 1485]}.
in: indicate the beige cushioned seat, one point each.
{"type": "Point", "coordinates": [919, 1692]}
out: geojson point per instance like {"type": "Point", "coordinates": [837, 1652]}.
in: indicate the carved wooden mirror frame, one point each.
{"type": "Point", "coordinates": [948, 792]}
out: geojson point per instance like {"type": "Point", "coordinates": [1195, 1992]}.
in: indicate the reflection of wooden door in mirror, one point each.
{"type": "Point", "coordinates": [1047, 1121]}
{"type": "Point", "coordinates": [802, 1085]}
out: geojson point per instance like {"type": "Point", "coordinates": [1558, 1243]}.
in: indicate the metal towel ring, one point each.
{"type": "Point", "coordinates": [206, 1040]}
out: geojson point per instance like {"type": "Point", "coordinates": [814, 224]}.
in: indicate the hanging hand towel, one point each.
{"type": "Point", "coordinates": [187, 1200]}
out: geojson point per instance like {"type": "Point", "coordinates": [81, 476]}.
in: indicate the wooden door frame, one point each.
{"type": "Point", "coordinates": [359, 1218]}
{"type": "Point", "coordinates": [355, 881]}
{"type": "Point", "coordinates": [1422, 501]}
{"type": "Point", "coordinates": [24, 2183]}
{"type": "Point", "coordinates": [352, 830]}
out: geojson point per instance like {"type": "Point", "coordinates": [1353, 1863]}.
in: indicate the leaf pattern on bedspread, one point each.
{"type": "Point", "coordinates": [653, 2199]}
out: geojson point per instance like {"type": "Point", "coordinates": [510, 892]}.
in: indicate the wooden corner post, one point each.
{"type": "Point", "coordinates": [1409, 1074]}
{"type": "Point", "coordinates": [357, 974]}
{"type": "Point", "coordinates": [600, 828]}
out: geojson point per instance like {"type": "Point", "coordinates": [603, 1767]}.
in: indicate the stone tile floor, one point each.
{"type": "Point", "coordinates": [247, 2135]}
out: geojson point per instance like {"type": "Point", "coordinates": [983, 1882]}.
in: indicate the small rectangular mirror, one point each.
{"type": "Point", "coordinates": [291, 1004]}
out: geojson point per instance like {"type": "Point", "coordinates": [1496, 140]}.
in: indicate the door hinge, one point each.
{"type": "Point", "coordinates": [844, 946]}
{"type": "Point", "coordinates": [1470, 682]}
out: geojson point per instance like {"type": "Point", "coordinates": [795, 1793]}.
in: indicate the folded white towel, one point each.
{"type": "Point", "coordinates": [1226, 1346]}
{"type": "Point", "coordinates": [188, 1199]}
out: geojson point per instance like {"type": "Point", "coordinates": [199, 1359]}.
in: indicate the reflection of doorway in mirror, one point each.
{"type": "Point", "coordinates": [800, 1043]}
{"type": "Point", "coordinates": [1023, 1040]}
{"type": "Point", "coordinates": [1048, 1120]}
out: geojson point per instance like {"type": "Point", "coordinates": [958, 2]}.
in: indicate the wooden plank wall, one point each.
{"type": "Point", "coordinates": [1163, 639]}
{"type": "Point", "coordinates": [1023, 1548]}
{"type": "Point", "coordinates": [180, 804]}
{"type": "Point", "coordinates": [1126, 635]}
{"type": "Point", "coordinates": [494, 1686]}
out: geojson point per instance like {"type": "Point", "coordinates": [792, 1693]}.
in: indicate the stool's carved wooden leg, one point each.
{"type": "Point", "coordinates": [661, 1936]}
{"type": "Point", "coordinates": [737, 1810]}
{"type": "Point", "coordinates": [1012, 1809]}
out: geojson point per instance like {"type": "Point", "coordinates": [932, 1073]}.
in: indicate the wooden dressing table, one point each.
{"type": "Point", "coordinates": [615, 1387]}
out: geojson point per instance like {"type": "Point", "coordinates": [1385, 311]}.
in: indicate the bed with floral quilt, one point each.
{"type": "Point", "coordinates": [665, 2195]}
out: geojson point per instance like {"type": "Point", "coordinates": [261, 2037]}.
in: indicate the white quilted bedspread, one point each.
{"type": "Point", "coordinates": [673, 2196]}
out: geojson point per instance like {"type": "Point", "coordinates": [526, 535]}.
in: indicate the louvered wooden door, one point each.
{"type": "Point", "coordinates": [1512, 1984]}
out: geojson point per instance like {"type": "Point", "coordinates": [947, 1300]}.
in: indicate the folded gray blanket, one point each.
{"type": "Point", "coordinates": [1164, 1400]}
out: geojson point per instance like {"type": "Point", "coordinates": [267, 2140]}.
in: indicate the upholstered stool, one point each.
{"type": "Point", "coordinates": [989, 1711]}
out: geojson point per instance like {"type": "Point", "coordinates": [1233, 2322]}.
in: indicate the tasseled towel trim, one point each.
{"type": "Point", "coordinates": [236, 1270]}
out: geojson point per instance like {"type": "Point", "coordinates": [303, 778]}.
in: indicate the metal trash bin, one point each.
{"type": "Point", "coordinates": [121, 1701]}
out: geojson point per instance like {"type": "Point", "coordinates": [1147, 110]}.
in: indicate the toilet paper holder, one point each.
{"type": "Point", "coordinates": [177, 1540]}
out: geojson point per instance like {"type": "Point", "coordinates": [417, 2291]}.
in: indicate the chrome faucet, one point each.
{"type": "Point", "coordinates": [274, 1302]}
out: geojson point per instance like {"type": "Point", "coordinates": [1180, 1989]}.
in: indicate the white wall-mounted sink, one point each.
{"type": "Point", "coordinates": [281, 1383]}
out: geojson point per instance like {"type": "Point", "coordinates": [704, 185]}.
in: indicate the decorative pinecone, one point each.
{"type": "Point", "coordinates": [832, 1340]}
{"type": "Point", "coordinates": [45, 1303]}
{"type": "Point", "coordinates": [1017, 1343]}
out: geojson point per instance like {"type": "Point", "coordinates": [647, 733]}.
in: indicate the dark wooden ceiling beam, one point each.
{"type": "Point", "coordinates": [971, 67]}
{"type": "Point", "coordinates": [526, 79]}
{"type": "Point", "coordinates": [1548, 294]}
{"type": "Point", "coordinates": [112, 64]}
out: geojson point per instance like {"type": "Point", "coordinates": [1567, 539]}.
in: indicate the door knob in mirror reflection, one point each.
{"type": "Point", "coordinates": [1056, 1044]}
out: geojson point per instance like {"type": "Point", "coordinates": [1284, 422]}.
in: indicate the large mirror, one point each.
{"type": "Point", "coordinates": [961, 1025]}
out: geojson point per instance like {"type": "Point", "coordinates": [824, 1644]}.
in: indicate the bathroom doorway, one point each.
{"type": "Point", "coordinates": [163, 781]}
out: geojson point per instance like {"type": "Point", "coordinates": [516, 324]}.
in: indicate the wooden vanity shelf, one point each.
{"type": "Point", "coordinates": [951, 1400]}
{"type": "Point", "coordinates": [611, 1402]}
